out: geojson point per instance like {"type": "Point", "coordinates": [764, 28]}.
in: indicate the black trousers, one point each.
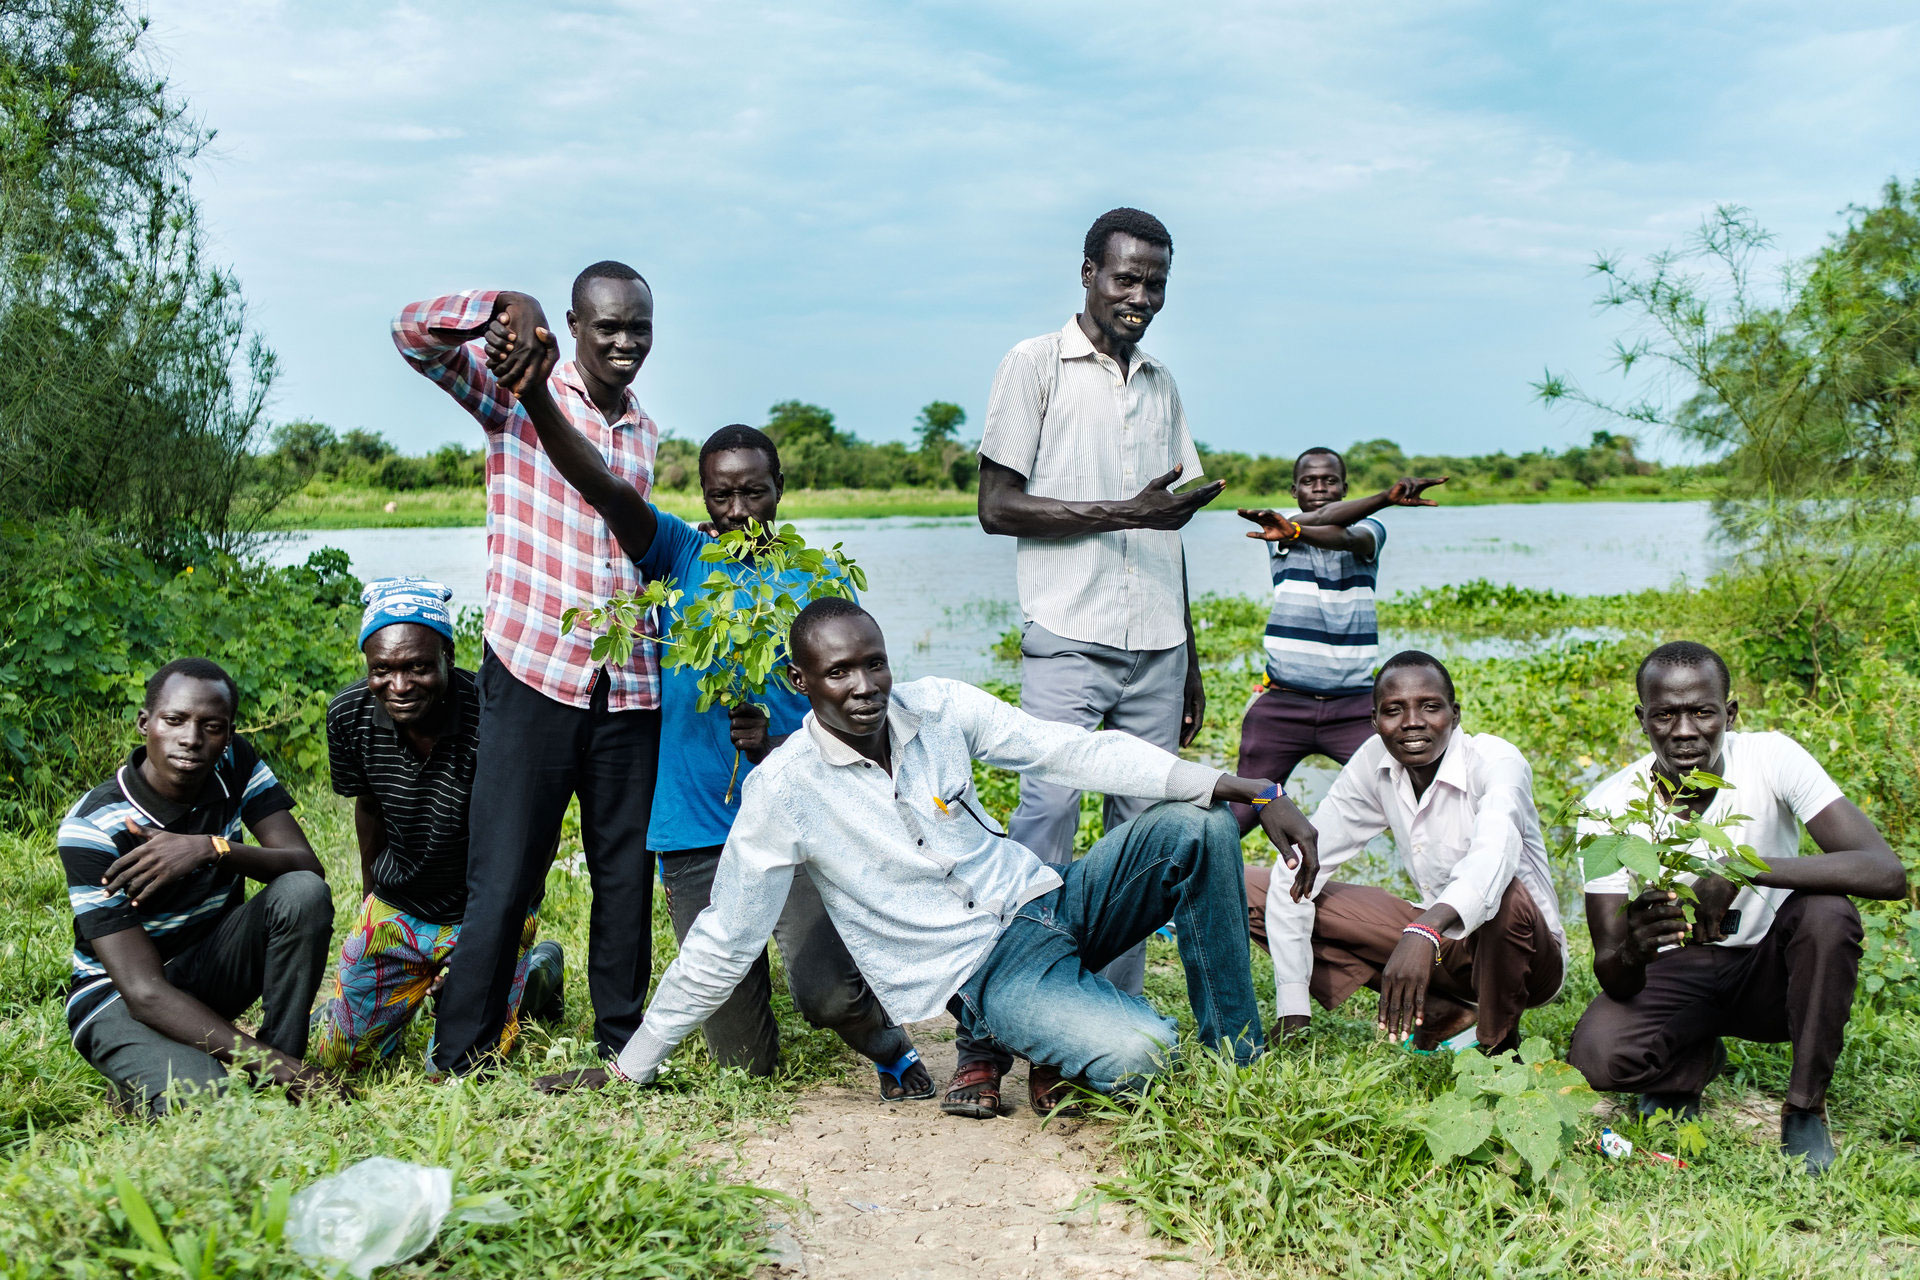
{"type": "Point", "coordinates": [535, 755]}
{"type": "Point", "coordinates": [1795, 984]}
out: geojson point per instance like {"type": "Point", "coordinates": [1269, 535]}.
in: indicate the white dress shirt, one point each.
{"type": "Point", "coordinates": [1064, 416]}
{"type": "Point", "coordinates": [1462, 843]}
{"type": "Point", "coordinates": [916, 877]}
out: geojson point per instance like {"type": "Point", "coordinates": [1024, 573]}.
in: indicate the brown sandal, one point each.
{"type": "Point", "coordinates": [1051, 1094]}
{"type": "Point", "coordinates": [974, 1092]}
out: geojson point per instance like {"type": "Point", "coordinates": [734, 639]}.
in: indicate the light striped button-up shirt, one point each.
{"type": "Point", "coordinates": [1471, 835]}
{"type": "Point", "coordinates": [1062, 415]}
{"type": "Point", "coordinates": [548, 550]}
{"type": "Point", "coordinates": [917, 878]}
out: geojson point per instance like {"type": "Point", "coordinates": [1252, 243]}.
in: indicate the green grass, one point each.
{"type": "Point", "coordinates": [610, 1184]}
{"type": "Point", "coordinates": [323, 505]}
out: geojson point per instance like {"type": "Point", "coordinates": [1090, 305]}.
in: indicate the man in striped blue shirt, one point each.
{"type": "Point", "coordinates": [167, 947]}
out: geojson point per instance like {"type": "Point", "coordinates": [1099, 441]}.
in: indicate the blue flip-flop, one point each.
{"type": "Point", "coordinates": [896, 1071]}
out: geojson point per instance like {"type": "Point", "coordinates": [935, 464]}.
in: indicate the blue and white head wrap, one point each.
{"type": "Point", "coordinates": [391, 600]}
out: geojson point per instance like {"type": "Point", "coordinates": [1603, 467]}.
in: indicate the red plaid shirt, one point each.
{"type": "Point", "coordinates": [547, 549]}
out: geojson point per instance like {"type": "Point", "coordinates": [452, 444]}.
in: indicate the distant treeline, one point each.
{"type": "Point", "coordinates": [817, 454]}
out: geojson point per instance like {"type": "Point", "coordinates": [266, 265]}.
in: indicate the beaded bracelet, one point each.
{"type": "Point", "coordinates": [1277, 793]}
{"type": "Point", "coordinates": [1430, 934]}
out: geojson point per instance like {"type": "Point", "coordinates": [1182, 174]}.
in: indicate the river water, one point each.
{"type": "Point", "coordinates": [943, 590]}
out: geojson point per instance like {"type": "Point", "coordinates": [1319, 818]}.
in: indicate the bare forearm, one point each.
{"type": "Point", "coordinates": [630, 517]}
{"type": "Point", "coordinates": [179, 1017]}
{"type": "Point", "coordinates": [1858, 873]}
{"type": "Point", "coordinates": [1020, 514]}
{"type": "Point", "coordinates": [1341, 514]}
{"type": "Point", "coordinates": [257, 863]}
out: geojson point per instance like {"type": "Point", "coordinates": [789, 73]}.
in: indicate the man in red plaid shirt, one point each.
{"type": "Point", "coordinates": [553, 723]}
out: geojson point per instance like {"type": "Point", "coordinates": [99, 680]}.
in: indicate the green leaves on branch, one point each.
{"type": "Point", "coordinates": [1663, 846]}
{"type": "Point", "coordinates": [1499, 1108]}
{"type": "Point", "coordinates": [735, 626]}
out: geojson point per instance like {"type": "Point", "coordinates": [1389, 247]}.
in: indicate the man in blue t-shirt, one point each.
{"type": "Point", "coordinates": [697, 791]}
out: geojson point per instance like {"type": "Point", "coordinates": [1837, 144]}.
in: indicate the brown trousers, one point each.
{"type": "Point", "coordinates": [1509, 964]}
{"type": "Point", "coordinates": [1795, 984]}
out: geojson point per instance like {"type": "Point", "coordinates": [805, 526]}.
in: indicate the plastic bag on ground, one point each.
{"type": "Point", "coordinates": [372, 1214]}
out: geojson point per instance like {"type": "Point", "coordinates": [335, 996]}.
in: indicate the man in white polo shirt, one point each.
{"type": "Point", "coordinates": [1773, 962]}
{"type": "Point", "coordinates": [1084, 440]}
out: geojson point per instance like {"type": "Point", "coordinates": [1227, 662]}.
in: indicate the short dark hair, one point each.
{"type": "Point", "coordinates": [1415, 658]}
{"type": "Point", "coordinates": [1320, 450]}
{"type": "Point", "coordinates": [1683, 653]}
{"type": "Point", "coordinates": [607, 270]}
{"type": "Point", "coordinates": [192, 669]}
{"type": "Point", "coordinates": [738, 435]}
{"type": "Point", "coordinates": [816, 615]}
{"type": "Point", "coordinates": [1137, 223]}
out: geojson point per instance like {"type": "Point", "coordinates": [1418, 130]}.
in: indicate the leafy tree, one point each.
{"type": "Point", "coordinates": [368, 446]}
{"type": "Point", "coordinates": [1804, 393]}
{"type": "Point", "coordinates": [792, 421]}
{"type": "Point", "coordinates": [119, 343]}
{"type": "Point", "coordinates": [303, 444]}
{"type": "Point", "coordinates": [939, 424]}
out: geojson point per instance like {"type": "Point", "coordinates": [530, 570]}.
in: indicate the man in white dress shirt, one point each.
{"type": "Point", "coordinates": [1485, 940]}
{"type": "Point", "coordinates": [1774, 962]}
{"type": "Point", "coordinates": [1084, 440]}
{"type": "Point", "coordinates": [940, 909]}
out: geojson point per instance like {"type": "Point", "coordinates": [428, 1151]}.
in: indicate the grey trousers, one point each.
{"type": "Point", "coordinates": [1093, 686]}
{"type": "Point", "coordinates": [826, 984]}
{"type": "Point", "coordinates": [274, 949]}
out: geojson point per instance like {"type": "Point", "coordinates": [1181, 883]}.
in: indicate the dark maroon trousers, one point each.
{"type": "Point", "coordinates": [1795, 984]}
{"type": "Point", "coordinates": [1282, 728]}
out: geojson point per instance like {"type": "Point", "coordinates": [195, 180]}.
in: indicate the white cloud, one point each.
{"type": "Point", "coordinates": [1383, 209]}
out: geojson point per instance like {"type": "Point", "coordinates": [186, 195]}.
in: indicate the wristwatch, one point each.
{"type": "Point", "coordinates": [220, 847]}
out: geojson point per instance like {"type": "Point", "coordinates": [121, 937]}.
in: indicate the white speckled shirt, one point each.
{"type": "Point", "coordinates": [917, 878]}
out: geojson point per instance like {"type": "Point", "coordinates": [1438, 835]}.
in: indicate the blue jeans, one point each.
{"type": "Point", "coordinates": [1040, 994]}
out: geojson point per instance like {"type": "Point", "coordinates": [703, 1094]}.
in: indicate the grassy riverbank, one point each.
{"type": "Point", "coordinates": [324, 504]}
{"type": "Point", "coordinates": [1310, 1164]}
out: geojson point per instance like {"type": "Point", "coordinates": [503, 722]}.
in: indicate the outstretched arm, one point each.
{"type": "Point", "coordinates": [1330, 526]}
{"type": "Point", "coordinates": [631, 517]}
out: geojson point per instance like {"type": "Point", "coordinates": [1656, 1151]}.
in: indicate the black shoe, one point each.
{"type": "Point", "coordinates": [1684, 1106]}
{"type": "Point", "coordinates": [1804, 1136]}
{"type": "Point", "coordinates": [545, 995]}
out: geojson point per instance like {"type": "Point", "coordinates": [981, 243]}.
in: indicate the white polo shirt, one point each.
{"type": "Point", "coordinates": [1774, 781]}
{"type": "Point", "coordinates": [1062, 415]}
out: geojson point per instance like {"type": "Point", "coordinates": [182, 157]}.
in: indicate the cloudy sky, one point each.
{"type": "Point", "coordinates": [1382, 209]}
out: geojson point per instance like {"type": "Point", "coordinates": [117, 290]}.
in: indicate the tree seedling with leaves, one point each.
{"type": "Point", "coordinates": [735, 627]}
{"type": "Point", "coordinates": [1659, 841]}
{"type": "Point", "coordinates": [1499, 1108]}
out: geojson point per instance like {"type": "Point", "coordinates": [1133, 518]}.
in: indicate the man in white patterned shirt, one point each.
{"type": "Point", "coordinates": [941, 909]}
{"type": "Point", "coordinates": [1485, 940]}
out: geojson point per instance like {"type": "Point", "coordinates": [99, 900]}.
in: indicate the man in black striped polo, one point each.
{"type": "Point", "coordinates": [403, 744]}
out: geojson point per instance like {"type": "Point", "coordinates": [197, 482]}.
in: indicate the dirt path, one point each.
{"type": "Point", "coordinates": [906, 1191]}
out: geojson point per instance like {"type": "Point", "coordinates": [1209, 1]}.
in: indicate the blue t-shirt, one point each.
{"type": "Point", "coordinates": [690, 808]}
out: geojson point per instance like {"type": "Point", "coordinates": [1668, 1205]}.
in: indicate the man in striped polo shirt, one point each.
{"type": "Point", "coordinates": [167, 948]}
{"type": "Point", "coordinates": [402, 743]}
{"type": "Point", "coordinates": [1322, 637]}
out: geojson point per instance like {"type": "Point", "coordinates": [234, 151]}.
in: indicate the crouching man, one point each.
{"type": "Point", "coordinates": [168, 949]}
{"type": "Point", "coordinates": [874, 797]}
{"type": "Point", "coordinates": [1773, 962]}
{"type": "Point", "coordinates": [1485, 942]}
{"type": "Point", "coordinates": [402, 744]}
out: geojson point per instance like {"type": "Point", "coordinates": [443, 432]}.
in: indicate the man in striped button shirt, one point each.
{"type": "Point", "coordinates": [553, 722]}
{"type": "Point", "coordinates": [167, 948]}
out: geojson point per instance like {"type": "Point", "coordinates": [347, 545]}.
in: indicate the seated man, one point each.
{"type": "Point", "coordinates": [167, 948]}
{"type": "Point", "coordinates": [1769, 963]}
{"type": "Point", "coordinates": [1485, 942]}
{"type": "Point", "coordinates": [705, 755]}
{"type": "Point", "coordinates": [874, 797]}
{"type": "Point", "coordinates": [402, 743]}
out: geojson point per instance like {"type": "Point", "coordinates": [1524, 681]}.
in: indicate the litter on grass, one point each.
{"type": "Point", "coordinates": [379, 1212]}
